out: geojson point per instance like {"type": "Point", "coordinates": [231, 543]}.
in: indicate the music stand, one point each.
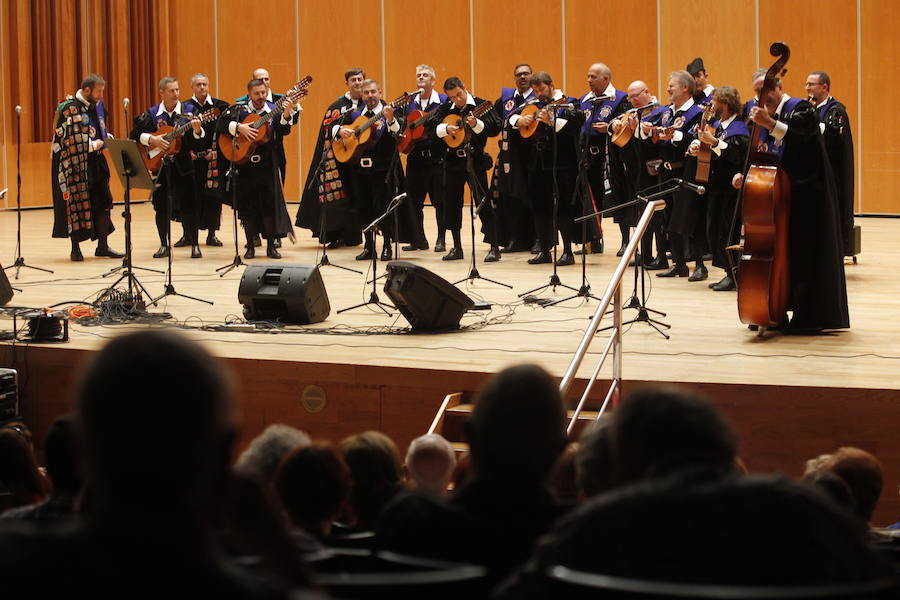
{"type": "Point", "coordinates": [132, 173]}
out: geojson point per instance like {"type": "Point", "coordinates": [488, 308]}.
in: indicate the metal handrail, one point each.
{"type": "Point", "coordinates": [611, 295]}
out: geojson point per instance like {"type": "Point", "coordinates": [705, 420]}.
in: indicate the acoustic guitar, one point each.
{"type": "Point", "coordinates": [704, 156]}
{"type": "Point", "coordinates": [415, 129]}
{"type": "Point", "coordinates": [464, 133]}
{"type": "Point", "coordinates": [527, 131]}
{"type": "Point", "coordinates": [348, 150]}
{"type": "Point", "coordinates": [238, 149]}
{"type": "Point", "coordinates": [153, 157]}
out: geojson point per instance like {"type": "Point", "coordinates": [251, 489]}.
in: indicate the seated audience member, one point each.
{"type": "Point", "coordinates": [268, 449]}
{"type": "Point", "coordinates": [563, 481]}
{"type": "Point", "coordinates": [516, 432]}
{"type": "Point", "coordinates": [680, 512]}
{"type": "Point", "coordinates": [21, 483]}
{"type": "Point", "coordinates": [156, 485]}
{"type": "Point", "coordinates": [374, 463]}
{"type": "Point", "coordinates": [833, 487]}
{"type": "Point", "coordinates": [593, 469]}
{"type": "Point", "coordinates": [61, 454]}
{"type": "Point", "coordinates": [313, 483]}
{"type": "Point", "coordinates": [862, 473]}
{"type": "Point", "coordinates": [430, 462]}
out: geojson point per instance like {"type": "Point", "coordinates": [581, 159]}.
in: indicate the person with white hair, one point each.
{"type": "Point", "coordinates": [430, 461]}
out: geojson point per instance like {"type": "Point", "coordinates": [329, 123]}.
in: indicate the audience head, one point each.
{"type": "Point", "coordinates": [430, 462]}
{"type": "Point", "coordinates": [658, 430]}
{"type": "Point", "coordinates": [862, 473]}
{"type": "Point", "coordinates": [154, 423]}
{"type": "Point", "coordinates": [374, 463]}
{"type": "Point", "coordinates": [517, 428]}
{"type": "Point", "coordinates": [313, 483]}
{"type": "Point", "coordinates": [563, 481]}
{"type": "Point", "coordinates": [61, 453]}
{"type": "Point", "coordinates": [593, 464]}
{"type": "Point", "coordinates": [832, 486]}
{"type": "Point", "coordinates": [269, 448]}
{"type": "Point", "coordinates": [20, 481]}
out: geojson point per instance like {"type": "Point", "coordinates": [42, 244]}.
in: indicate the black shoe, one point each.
{"type": "Point", "coordinates": [276, 242]}
{"type": "Point", "coordinates": [565, 260]}
{"type": "Point", "coordinates": [76, 255]}
{"type": "Point", "coordinates": [675, 271]}
{"type": "Point", "coordinates": [161, 253]}
{"type": "Point", "coordinates": [108, 252]}
{"type": "Point", "coordinates": [212, 240]}
{"type": "Point", "coordinates": [454, 254]}
{"type": "Point", "coordinates": [272, 251]}
{"type": "Point", "coordinates": [514, 246]}
{"type": "Point", "coordinates": [657, 264]}
{"type": "Point", "coordinates": [195, 251]}
{"type": "Point", "coordinates": [386, 254]}
{"type": "Point", "coordinates": [366, 254]}
{"type": "Point", "coordinates": [707, 257]}
{"type": "Point", "coordinates": [335, 244]}
{"type": "Point", "coordinates": [181, 243]}
{"type": "Point", "coordinates": [250, 252]}
{"type": "Point", "coordinates": [257, 242]}
{"type": "Point", "coordinates": [535, 248]}
{"type": "Point", "coordinates": [413, 247]}
{"type": "Point", "coordinates": [440, 246]}
{"type": "Point", "coordinates": [542, 257]}
{"type": "Point", "coordinates": [725, 285]}
{"type": "Point", "coordinates": [493, 255]}
{"type": "Point", "coordinates": [699, 274]}
{"type": "Point", "coordinates": [634, 261]}
{"type": "Point", "coordinates": [622, 249]}
{"type": "Point", "coordinates": [715, 283]}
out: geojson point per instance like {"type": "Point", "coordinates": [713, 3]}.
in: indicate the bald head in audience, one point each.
{"type": "Point", "coordinates": [430, 462]}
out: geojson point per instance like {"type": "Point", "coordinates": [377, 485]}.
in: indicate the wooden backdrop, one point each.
{"type": "Point", "coordinates": [46, 47]}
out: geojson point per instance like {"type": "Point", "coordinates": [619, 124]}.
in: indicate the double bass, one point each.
{"type": "Point", "coordinates": [763, 278]}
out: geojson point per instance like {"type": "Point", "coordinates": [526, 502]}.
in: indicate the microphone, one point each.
{"type": "Point", "coordinates": [691, 186]}
{"type": "Point", "coordinates": [126, 102]}
{"type": "Point", "coordinates": [418, 91]}
{"type": "Point", "coordinates": [599, 99]}
{"type": "Point", "coordinates": [18, 109]}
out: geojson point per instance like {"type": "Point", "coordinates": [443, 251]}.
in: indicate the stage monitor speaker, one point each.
{"type": "Point", "coordinates": [6, 291]}
{"type": "Point", "coordinates": [427, 301]}
{"type": "Point", "coordinates": [283, 292]}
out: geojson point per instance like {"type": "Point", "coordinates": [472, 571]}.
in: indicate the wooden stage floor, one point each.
{"type": "Point", "coordinates": [394, 381]}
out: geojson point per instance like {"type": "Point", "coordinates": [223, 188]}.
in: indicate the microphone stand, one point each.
{"type": "Point", "coordinates": [373, 296]}
{"type": "Point", "coordinates": [476, 191]}
{"type": "Point", "coordinates": [169, 290]}
{"type": "Point", "coordinates": [231, 184]}
{"type": "Point", "coordinates": [19, 262]}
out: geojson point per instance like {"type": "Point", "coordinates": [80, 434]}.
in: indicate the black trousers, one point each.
{"type": "Point", "coordinates": [541, 195]}
{"type": "Point", "coordinates": [424, 177]}
{"type": "Point", "coordinates": [371, 197]}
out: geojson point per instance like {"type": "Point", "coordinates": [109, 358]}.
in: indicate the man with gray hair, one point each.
{"type": "Point", "coordinates": [430, 461]}
{"type": "Point", "coordinates": [266, 450]}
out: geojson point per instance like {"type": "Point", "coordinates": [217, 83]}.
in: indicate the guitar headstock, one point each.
{"type": "Point", "coordinates": [210, 115]}
{"type": "Point", "coordinates": [404, 99]}
{"type": "Point", "coordinates": [482, 108]}
{"type": "Point", "coordinates": [299, 90]}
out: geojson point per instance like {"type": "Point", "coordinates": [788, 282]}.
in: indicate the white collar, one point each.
{"type": "Point", "coordinates": [784, 98]}
{"type": "Point", "coordinates": [352, 101]}
{"type": "Point", "coordinates": [377, 110]}
{"type": "Point", "coordinates": [724, 124]}
{"type": "Point", "coordinates": [709, 89]}
{"type": "Point", "coordinates": [609, 92]}
{"type": "Point", "coordinates": [557, 94]}
{"type": "Point", "coordinates": [683, 107]}
{"type": "Point", "coordinates": [84, 100]}
{"type": "Point", "coordinates": [197, 102]}
{"type": "Point", "coordinates": [269, 95]}
{"type": "Point", "coordinates": [470, 99]}
{"type": "Point", "coordinates": [162, 108]}
{"type": "Point", "coordinates": [823, 102]}
{"type": "Point", "coordinates": [434, 98]}
{"type": "Point", "coordinates": [251, 108]}
{"type": "Point", "coordinates": [526, 95]}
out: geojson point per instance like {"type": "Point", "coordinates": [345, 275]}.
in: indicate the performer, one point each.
{"type": "Point", "coordinates": [263, 75]}
{"type": "Point", "coordinates": [372, 191]}
{"type": "Point", "coordinates": [79, 171]}
{"type": "Point", "coordinates": [509, 185]}
{"type": "Point", "coordinates": [640, 158]}
{"type": "Point", "coordinates": [179, 171]}
{"type": "Point", "coordinates": [456, 175]}
{"type": "Point", "coordinates": [260, 195]}
{"type": "Point", "coordinates": [425, 166]}
{"type": "Point", "coordinates": [834, 123]}
{"type": "Point", "coordinates": [553, 158]}
{"type": "Point", "coordinates": [207, 175]}
{"type": "Point", "coordinates": [703, 88]}
{"type": "Point", "coordinates": [333, 179]}
{"type": "Point", "coordinates": [687, 218]}
{"type": "Point", "coordinates": [600, 106]}
{"type": "Point", "coordinates": [729, 152]}
{"type": "Point", "coordinates": [818, 294]}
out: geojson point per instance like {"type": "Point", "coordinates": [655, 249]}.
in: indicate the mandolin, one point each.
{"type": "Point", "coordinates": [350, 149]}
{"type": "Point", "coordinates": [464, 133]}
{"type": "Point", "coordinates": [238, 149]}
{"type": "Point", "coordinates": [153, 157]}
{"type": "Point", "coordinates": [630, 120]}
{"type": "Point", "coordinates": [527, 131]}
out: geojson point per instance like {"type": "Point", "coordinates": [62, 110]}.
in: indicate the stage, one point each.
{"type": "Point", "coordinates": [789, 397]}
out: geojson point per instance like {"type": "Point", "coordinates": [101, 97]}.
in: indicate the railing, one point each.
{"type": "Point", "coordinates": [613, 294]}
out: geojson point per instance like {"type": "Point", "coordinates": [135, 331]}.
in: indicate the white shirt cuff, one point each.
{"type": "Point", "coordinates": [96, 145]}
{"type": "Point", "coordinates": [677, 136]}
{"type": "Point", "coordinates": [560, 123]}
{"type": "Point", "coordinates": [821, 127]}
{"type": "Point", "coordinates": [394, 126]}
{"type": "Point", "coordinates": [199, 136]}
{"type": "Point", "coordinates": [721, 146]}
{"type": "Point", "coordinates": [513, 119]}
{"type": "Point", "coordinates": [780, 130]}
{"type": "Point", "coordinates": [479, 126]}
{"type": "Point", "coordinates": [441, 130]}
{"type": "Point", "coordinates": [145, 139]}
{"type": "Point", "coordinates": [335, 131]}
{"type": "Point", "coordinates": [232, 128]}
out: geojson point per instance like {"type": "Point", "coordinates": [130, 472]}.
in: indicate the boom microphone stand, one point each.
{"type": "Point", "coordinates": [19, 262]}
{"type": "Point", "coordinates": [231, 184]}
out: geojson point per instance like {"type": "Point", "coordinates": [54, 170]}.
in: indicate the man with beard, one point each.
{"type": "Point", "coordinates": [80, 175]}
{"type": "Point", "coordinates": [327, 196]}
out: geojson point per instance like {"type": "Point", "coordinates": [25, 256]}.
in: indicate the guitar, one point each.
{"type": "Point", "coordinates": [527, 131]}
{"type": "Point", "coordinates": [238, 149]}
{"type": "Point", "coordinates": [658, 132]}
{"type": "Point", "coordinates": [464, 133]}
{"type": "Point", "coordinates": [153, 157]}
{"type": "Point", "coordinates": [348, 150]}
{"type": "Point", "coordinates": [629, 120]}
{"type": "Point", "coordinates": [705, 154]}
{"type": "Point", "coordinates": [415, 129]}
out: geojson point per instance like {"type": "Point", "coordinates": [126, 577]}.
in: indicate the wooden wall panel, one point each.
{"type": "Point", "coordinates": [326, 57]}
{"type": "Point", "coordinates": [629, 51]}
{"type": "Point", "coordinates": [721, 32]}
{"type": "Point", "coordinates": [878, 164]}
{"type": "Point", "coordinates": [811, 36]}
{"type": "Point", "coordinates": [192, 43]}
